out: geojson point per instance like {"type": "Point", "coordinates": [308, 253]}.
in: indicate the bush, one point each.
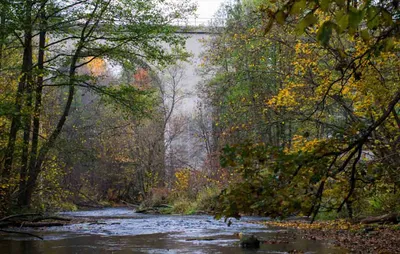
{"type": "Point", "coordinates": [183, 206]}
{"type": "Point", "coordinates": [156, 197]}
{"type": "Point", "coordinates": [205, 201]}
{"type": "Point", "coordinates": [207, 198]}
{"type": "Point", "coordinates": [384, 203]}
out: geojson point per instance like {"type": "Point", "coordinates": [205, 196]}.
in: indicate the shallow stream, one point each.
{"type": "Point", "coordinates": [121, 230]}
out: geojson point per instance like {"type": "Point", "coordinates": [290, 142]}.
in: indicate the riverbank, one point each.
{"type": "Point", "coordinates": [356, 238]}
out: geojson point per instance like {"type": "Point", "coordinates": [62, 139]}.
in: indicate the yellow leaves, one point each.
{"type": "Point", "coordinates": [151, 180]}
{"type": "Point", "coordinates": [377, 79]}
{"type": "Point", "coordinates": [300, 143]}
{"type": "Point", "coordinates": [282, 98]}
{"type": "Point", "coordinates": [311, 145]}
{"type": "Point", "coordinates": [363, 104]}
{"type": "Point", "coordinates": [182, 179]}
{"type": "Point", "coordinates": [286, 97]}
{"type": "Point", "coordinates": [320, 225]}
{"type": "Point", "coordinates": [304, 48]}
{"type": "Point", "coordinates": [4, 186]}
{"type": "Point", "coordinates": [96, 66]}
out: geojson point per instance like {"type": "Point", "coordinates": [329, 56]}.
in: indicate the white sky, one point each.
{"type": "Point", "coordinates": [206, 9]}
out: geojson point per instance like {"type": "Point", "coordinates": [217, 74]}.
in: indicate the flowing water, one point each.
{"type": "Point", "coordinates": [120, 230]}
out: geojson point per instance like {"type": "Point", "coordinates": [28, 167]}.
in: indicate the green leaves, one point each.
{"type": "Point", "coordinates": [280, 17]}
{"type": "Point", "coordinates": [365, 35]}
{"type": "Point", "coordinates": [298, 7]}
{"type": "Point", "coordinates": [341, 15]}
{"type": "Point", "coordinates": [267, 184]}
{"type": "Point", "coordinates": [325, 31]}
{"type": "Point", "coordinates": [324, 4]}
{"type": "Point", "coordinates": [387, 18]}
{"type": "Point", "coordinates": [388, 44]}
{"type": "Point", "coordinates": [342, 20]}
{"type": "Point", "coordinates": [372, 17]}
{"type": "Point", "coordinates": [7, 108]}
{"type": "Point", "coordinates": [355, 18]}
{"type": "Point", "coordinates": [309, 20]}
{"type": "Point", "coordinates": [340, 3]}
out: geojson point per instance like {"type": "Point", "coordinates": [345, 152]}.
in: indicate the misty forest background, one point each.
{"type": "Point", "coordinates": [299, 111]}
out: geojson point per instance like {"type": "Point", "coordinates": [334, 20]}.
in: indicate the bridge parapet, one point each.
{"type": "Point", "coordinates": [197, 30]}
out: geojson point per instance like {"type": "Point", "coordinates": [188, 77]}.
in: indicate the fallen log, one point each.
{"type": "Point", "coordinates": [147, 210]}
{"type": "Point", "coordinates": [42, 218]}
{"type": "Point", "coordinates": [29, 224]}
{"type": "Point", "coordinates": [387, 218]}
{"type": "Point", "coordinates": [4, 224]}
{"type": "Point", "coordinates": [41, 224]}
{"type": "Point", "coordinates": [162, 206]}
{"type": "Point", "coordinates": [130, 204]}
{"type": "Point", "coordinates": [21, 233]}
{"type": "Point", "coordinates": [153, 209]}
{"type": "Point", "coordinates": [88, 205]}
{"type": "Point", "coordinates": [19, 216]}
{"type": "Point", "coordinates": [32, 220]}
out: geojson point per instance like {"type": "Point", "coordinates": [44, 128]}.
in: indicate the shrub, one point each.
{"type": "Point", "coordinates": [207, 198]}
{"type": "Point", "coordinates": [156, 197]}
{"type": "Point", "coordinates": [183, 206]}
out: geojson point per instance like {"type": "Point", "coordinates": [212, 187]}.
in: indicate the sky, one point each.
{"type": "Point", "coordinates": [206, 9]}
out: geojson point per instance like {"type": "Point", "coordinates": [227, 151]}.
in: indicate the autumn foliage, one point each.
{"type": "Point", "coordinates": [306, 96]}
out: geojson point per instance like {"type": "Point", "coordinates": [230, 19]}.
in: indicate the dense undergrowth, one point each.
{"type": "Point", "coordinates": [190, 194]}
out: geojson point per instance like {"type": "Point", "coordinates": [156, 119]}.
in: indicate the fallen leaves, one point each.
{"type": "Point", "coordinates": [356, 238]}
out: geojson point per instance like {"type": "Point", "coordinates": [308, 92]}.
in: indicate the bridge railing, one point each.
{"type": "Point", "coordinates": [201, 21]}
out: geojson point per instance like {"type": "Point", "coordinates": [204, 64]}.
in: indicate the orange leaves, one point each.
{"type": "Point", "coordinates": [141, 75]}
{"type": "Point", "coordinates": [142, 79]}
{"type": "Point", "coordinates": [96, 66]}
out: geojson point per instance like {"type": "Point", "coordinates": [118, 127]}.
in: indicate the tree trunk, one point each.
{"type": "Point", "coordinates": [387, 218]}
{"type": "Point", "coordinates": [36, 168]}
{"type": "Point", "coordinates": [22, 199]}
{"type": "Point", "coordinates": [2, 32]}
{"type": "Point", "coordinates": [27, 119]}
{"type": "Point", "coordinates": [26, 69]}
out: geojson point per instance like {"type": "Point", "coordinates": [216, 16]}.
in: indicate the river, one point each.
{"type": "Point", "coordinates": [121, 230]}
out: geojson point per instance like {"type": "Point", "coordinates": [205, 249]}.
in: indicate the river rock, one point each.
{"type": "Point", "coordinates": [249, 242]}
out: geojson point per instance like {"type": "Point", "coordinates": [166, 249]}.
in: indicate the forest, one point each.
{"type": "Point", "coordinates": [299, 112]}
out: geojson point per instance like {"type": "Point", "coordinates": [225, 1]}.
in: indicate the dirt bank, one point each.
{"type": "Point", "coordinates": [357, 238]}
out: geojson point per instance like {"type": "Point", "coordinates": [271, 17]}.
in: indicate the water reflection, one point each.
{"type": "Point", "coordinates": [147, 244]}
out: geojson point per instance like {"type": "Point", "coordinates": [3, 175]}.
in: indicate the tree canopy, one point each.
{"type": "Point", "coordinates": [306, 106]}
